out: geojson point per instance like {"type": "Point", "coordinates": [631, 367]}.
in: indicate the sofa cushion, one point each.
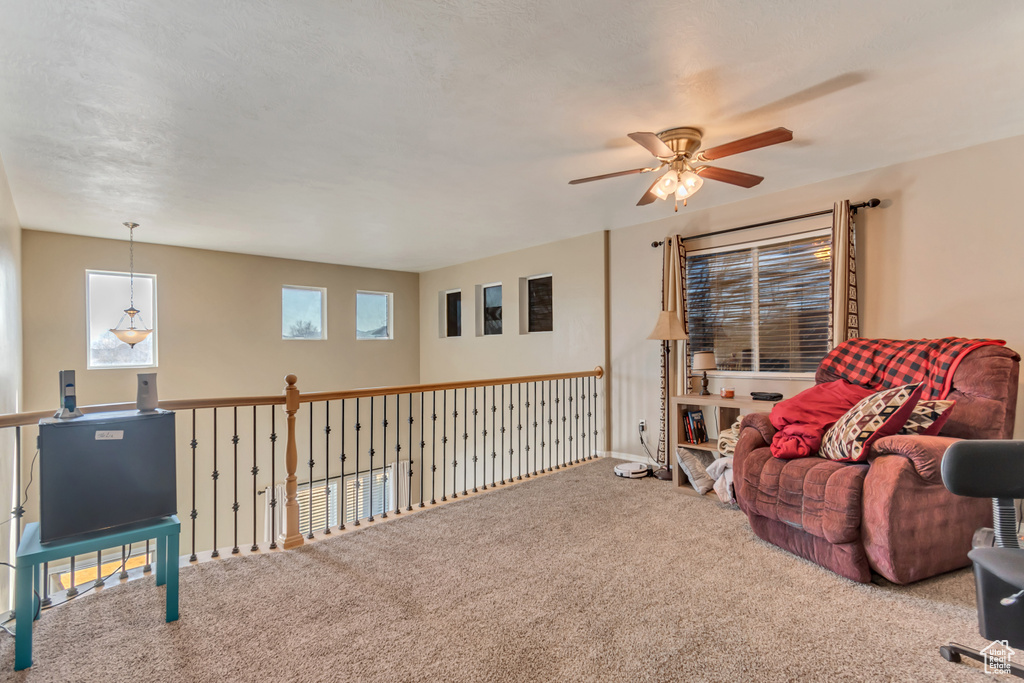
{"type": "Point", "coordinates": [819, 496]}
{"type": "Point", "coordinates": [880, 414]}
{"type": "Point", "coordinates": [927, 418]}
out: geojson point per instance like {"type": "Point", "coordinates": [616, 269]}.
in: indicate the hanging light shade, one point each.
{"type": "Point", "coordinates": [131, 335]}
{"type": "Point", "coordinates": [666, 184]}
{"type": "Point", "coordinates": [689, 182]}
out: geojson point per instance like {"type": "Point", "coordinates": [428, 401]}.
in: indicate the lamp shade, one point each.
{"type": "Point", "coordinates": [703, 360]}
{"type": "Point", "coordinates": [668, 327]}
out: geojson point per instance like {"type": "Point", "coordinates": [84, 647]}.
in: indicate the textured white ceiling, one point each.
{"type": "Point", "coordinates": [412, 134]}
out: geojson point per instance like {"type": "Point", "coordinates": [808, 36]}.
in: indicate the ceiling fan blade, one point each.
{"type": "Point", "coordinates": [609, 175]}
{"type": "Point", "coordinates": [769, 137]}
{"type": "Point", "coordinates": [649, 196]}
{"type": "Point", "coordinates": [653, 144]}
{"type": "Point", "coordinates": [724, 175]}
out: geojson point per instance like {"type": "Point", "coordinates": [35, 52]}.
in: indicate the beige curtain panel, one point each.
{"type": "Point", "coordinates": [844, 318]}
{"type": "Point", "coordinates": [673, 298]}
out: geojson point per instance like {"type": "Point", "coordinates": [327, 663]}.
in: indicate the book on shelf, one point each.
{"type": "Point", "coordinates": [700, 432]}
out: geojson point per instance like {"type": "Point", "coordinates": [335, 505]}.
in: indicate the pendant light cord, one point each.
{"type": "Point", "coordinates": [131, 263]}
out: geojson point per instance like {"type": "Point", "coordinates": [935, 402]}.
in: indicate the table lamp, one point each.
{"type": "Point", "coordinates": [704, 360]}
{"type": "Point", "coordinates": [667, 329]}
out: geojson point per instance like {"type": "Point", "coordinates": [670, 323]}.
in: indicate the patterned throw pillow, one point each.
{"type": "Point", "coordinates": [880, 414]}
{"type": "Point", "coordinates": [928, 417]}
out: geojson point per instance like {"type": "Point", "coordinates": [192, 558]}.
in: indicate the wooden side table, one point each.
{"type": "Point", "coordinates": [726, 411]}
{"type": "Point", "coordinates": [32, 554]}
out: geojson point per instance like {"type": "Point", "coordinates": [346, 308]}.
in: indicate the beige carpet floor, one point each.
{"type": "Point", "coordinates": [577, 576]}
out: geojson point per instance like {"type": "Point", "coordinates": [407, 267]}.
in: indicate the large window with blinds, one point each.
{"type": "Point", "coordinates": [761, 306]}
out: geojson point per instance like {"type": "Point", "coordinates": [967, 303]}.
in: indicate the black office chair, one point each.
{"type": "Point", "coordinates": [992, 469]}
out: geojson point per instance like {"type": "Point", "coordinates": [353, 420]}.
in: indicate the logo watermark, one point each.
{"type": "Point", "coordinates": [998, 655]}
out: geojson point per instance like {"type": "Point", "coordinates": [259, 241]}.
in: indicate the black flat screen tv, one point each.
{"type": "Point", "coordinates": [103, 471]}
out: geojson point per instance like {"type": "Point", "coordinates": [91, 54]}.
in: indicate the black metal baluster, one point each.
{"type": "Point", "coordinates": [543, 441]}
{"type": "Point", "coordinates": [502, 434]}
{"type": "Point", "coordinates": [409, 495]}
{"type": "Point", "coordinates": [423, 454]}
{"type": "Point", "coordinates": [193, 514]}
{"type": "Point", "coordinates": [327, 467]}
{"type": "Point", "coordinates": [519, 428]}
{"type": "Point", "coordinates": [235, 506]}
{"type": "Point", "coordinates": [255, 471]}
{"type": "Point", "coordinates": [397, 454]}
{"type": "Point", "coordinates": [596, 415]}
{"type": "Point", "coordinates": [475, 411]}
{"type": "Point", "coordinates": [45, 602]}
{"type": "Point", "coordinates": [343, 457]}
{"type": "Point", "coordinates": [309, 510]}
{"type": "Point", "coordinates": [494, 435]}
{"type": "Point", "coordinates": [511, 451]}
{"type": "Point", "coordinates": [358, 484]}
{"type": "Point", "coordinates": [433, 448]}
{"type": "Point", "coordinates": [146, 568]}
{"type": "Point", "coordinates": [455, 443]}
{"type": "Point", "coordinates": [566, 454]}
{"type": "Point", "coordinates": [589, 445]}
{"type": "Point", "coordinates": [465, 441]}
{"type": "Point", "coordinates": [555, 451]}
{"type": "Point", "coordinates": [372, 452]}
{"type": "Point", "coordinates": [273, 479]}
{"type": "Point", "coordinates": [384, 466]}
{"type": "Point", "coordinates": [124, 559]}
{"type": "Point", "coordinates": [528, 436]}
{"type": "Point", "coordinates": [576, 411]}
{"type": "Point", "coordinates": [216, 476]}
{"type": "Point", "coordinates": [444, 445]}
{"type": "Point", "coordinates": [19, 509]}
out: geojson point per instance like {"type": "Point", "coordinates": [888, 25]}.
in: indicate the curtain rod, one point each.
{"type": "Point", "coordinates": [870, 204]}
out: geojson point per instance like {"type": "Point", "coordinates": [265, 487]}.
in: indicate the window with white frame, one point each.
{"type": "Point", "coordinates": [303, 312]}
{"type": "Point", "coordinates": [490, 308]}
{"type": "Point", "coordinates": [374, 317]}
{"type": "Point", "coordinates": [107, 295]}
{"type": "Point", "coordinates": [451, 313]}
{"type": "Point", "coordinates": [761, 306]}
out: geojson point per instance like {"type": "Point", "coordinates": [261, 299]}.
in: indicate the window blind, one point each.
{"type": "Point", "coordinates": [357, 494]}
{"type": "Point", "coordinates": [761, 308]}
{"type": "Point", "coordinates": [540, 313]}
{"type": "Point", "coordinates": [324, 511]}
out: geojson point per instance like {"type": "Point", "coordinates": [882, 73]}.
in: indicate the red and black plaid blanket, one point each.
{"type": "Point", "coordinates": [883, 363]}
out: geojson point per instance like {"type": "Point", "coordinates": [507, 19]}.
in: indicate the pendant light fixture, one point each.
{"type": "Point", "coordinates": [131, 335]}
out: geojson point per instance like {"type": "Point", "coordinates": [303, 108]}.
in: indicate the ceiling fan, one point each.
{"type": "Point", "coordinates": [677, 148]}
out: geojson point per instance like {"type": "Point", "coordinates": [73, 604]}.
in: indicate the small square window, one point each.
{"type": "Point", "coordinates": [540, 304]}
{"type": "Point", "coordinates": [492, 309]}
{"type": "Point", "coordinates": [107, 295]}
{"type": "Point", "coordinates": [303, 312]}
{"type": "Point", "coordinates": [453, 313]}
{"type": "Point", "coordinates": [374, 317]}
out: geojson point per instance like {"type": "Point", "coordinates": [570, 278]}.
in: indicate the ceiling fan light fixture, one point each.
{"type": "Point", "coordinates": [689, 183]}
{"type": "Point", "coordinates": [666, 185]}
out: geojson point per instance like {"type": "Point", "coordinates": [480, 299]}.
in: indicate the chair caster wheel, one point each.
{"type": "Point", "coordinates": [949, 655]}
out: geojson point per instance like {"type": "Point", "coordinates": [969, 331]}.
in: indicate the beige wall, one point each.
{"type": "Point", "coordinates": [577, 342]}
{"type": "Point", "coordinates": [942, 257]}
{"type": "Point", "coordinates": [10, 349]}
{"type": "Point", "coordinates": [219, 322]}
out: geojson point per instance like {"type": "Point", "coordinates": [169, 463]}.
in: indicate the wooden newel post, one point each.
{"type": "Point", "coordinates": [292, 535]}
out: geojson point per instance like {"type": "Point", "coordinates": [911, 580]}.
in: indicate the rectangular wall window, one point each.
{"type": "Point", "coordinates": [541, 315]}
{"type": "Point", "coordinates": [453, 314]}
{"type": "Point", "coordinates": [303, 312]}
{"type": "Point", "coordinates": [492, 309]}
{"type": "Point", "coordinates": [761, 307]}
{"type": "Point", "coordinates": [107, 295]}
{"type": "Point", "coordinates": [374, 317]}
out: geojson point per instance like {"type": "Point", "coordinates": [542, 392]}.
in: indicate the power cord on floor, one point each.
{"type": "Point", "coordinates": [643, 443]}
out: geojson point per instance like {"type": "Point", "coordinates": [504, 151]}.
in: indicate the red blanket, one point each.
{"type": "Point", "coordinates": [885, 363]}
{"type": "Point", "coordinates": [801, 421]}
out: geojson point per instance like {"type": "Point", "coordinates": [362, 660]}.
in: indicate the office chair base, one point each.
{"type": "Point", "coordinates": [954, 651]}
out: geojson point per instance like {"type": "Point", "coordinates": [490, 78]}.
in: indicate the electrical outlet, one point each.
{"type": "Point", "coordinates": [643, 425]}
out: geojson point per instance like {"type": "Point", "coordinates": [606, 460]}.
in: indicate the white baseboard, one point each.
{"type": "Point", "coordinates": [628, 457]}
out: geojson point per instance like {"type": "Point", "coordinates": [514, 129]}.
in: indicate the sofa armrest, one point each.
{"type": "Point", "coordinates": [761, 423]}
{"type": "Point", "coordinates": [924, 453]}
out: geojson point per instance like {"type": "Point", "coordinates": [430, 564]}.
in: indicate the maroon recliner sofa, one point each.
{"type": "Point", "coordinates": [891, 514]}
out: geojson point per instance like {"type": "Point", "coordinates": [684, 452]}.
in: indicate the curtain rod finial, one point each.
{"type": "Point", "coordinates": [656, 244]}
{"type": "Point", "coordinates": [873, 202]}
